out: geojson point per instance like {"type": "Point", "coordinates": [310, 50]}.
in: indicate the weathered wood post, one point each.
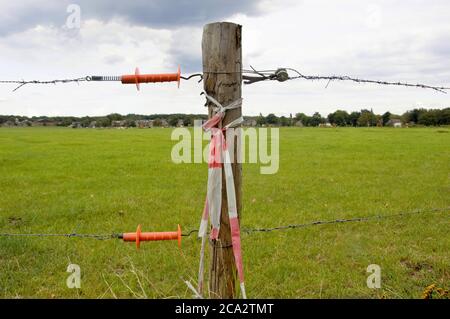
{"type": "Point", "coordinates": [222, 79]}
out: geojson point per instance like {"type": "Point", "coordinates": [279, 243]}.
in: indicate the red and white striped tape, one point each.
{"type": "Point", "coordinates": [219, 157]}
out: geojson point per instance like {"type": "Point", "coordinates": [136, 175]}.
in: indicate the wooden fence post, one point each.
{"type": "Point", "coordinates": [222, 79]}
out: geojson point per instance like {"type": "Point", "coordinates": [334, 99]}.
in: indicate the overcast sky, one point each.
{"type": "Point", "coordinates": [393, 40]}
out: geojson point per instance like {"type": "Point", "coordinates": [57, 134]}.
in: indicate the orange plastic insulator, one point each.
{"type": "Point", "coordinates": [137, 78]}
{"type": "Point", "coordinates": [139, 236]}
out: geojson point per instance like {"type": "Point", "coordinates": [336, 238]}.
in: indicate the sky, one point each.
{"type": "Point", "coordinates": [391, 40]}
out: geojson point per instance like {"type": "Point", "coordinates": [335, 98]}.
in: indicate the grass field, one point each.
{"type": "Point", "coordinates": [58, 180]}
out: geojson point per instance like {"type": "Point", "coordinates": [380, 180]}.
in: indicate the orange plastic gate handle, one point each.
{"type": "Point", "coordinates": [137, 78]}
{"type": "Point", "coordinates": [139, 236]}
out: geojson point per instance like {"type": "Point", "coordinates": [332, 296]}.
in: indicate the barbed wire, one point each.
{"type": "Point", "coordinates": [244, 230]}
{"type": "Point", "coordinates": [334, 221]}
{"type": "Point", "coordinates": [358, 80]}
{"type": "Point", "coordinates": [70, 235]}
{"type": "Point", "coordinates": [252, 75]}
{"type": "Point", "coordinates": [281, 75]}
{"type": "Point", "coordinates": [23, 82]}
{"type": "Point", "coordinates": [348, 220]}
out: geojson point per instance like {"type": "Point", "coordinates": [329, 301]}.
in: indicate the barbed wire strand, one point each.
{"type": "Point", "coordinates": [280, 74]}
{"type": "Point", "coordinates": [440, 89]}
{"type": "Point", "coordinates": [23, 82]}
{"type": "Point", "coordinates": [334, 221]}
{"type": "Point", "coordinates": [245, 230]}
{"type": "Point", "coordinates": [70, 235]}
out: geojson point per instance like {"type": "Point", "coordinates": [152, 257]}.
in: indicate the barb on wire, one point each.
{"type": "Point", "coordinates": [347, 220]}
{"type": "Point", "coordinates": [245, 230]}
{"type": "Point", "coordinates": [282, 75]}
{"type": "Point", "coordinates": [23, 82]}
{"type": "Point", "coordinates": [335, 221]}
{"type": "Point", "coordinates": [71, 235]}
{"type": "Point", "coordinates": [252, 76]}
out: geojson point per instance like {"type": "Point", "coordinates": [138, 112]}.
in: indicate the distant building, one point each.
{"type": "Point", "coordinates": [23, 123]}
{"type": "Point", "coordinates": [118, 123]}
{"type": "Point", "coordinates": [394, 123]}
{"type": "Point", "coordinates": [44, 122]}
{"type": "Point", "coordinates": [164, 123]}
{"type": "Point", "coordinates": [8, 124]}
{"type": "Point", "coordinates": [180, 123]}
{"type": "Point", "coordinates": [75, 125]}
{"type": "Point", "coordinates": [249, 123]}
{"type": "Point", "coordinates": [325, 125]}
{"type": "Point", "coordinates": [299, 124]}
{"type": "Point", "coordinates": [36, 123]}
{"type": "Point", "coordinates": [144, 123]}
{"type": "Point", "coordinates": [93, 124]}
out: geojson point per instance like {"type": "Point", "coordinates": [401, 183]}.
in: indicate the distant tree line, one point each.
{"type": "Point", "coordinates": [365, 117]}
{"type": "Point", "coordinates": [106, 121]}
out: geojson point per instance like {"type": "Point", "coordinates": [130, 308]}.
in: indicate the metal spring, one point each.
{"type": "Point", "coordinates": [111, 78]}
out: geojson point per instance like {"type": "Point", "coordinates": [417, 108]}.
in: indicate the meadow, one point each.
{"type": "Point", "coordinates": [61, 180]}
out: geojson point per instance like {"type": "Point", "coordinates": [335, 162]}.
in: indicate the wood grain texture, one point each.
{"type": "Point", "coordinates": [222, 79]}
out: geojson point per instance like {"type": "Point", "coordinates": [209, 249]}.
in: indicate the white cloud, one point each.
{"type": "Point", "coordinates": [386, 40]}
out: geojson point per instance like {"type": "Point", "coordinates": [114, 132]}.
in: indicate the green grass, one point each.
{"type": "Point", "coordinates": [56, 180]}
